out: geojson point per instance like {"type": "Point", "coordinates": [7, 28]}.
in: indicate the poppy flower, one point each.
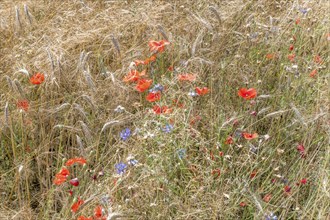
{"type": "Point", "coordinates": [61, 176]}
{"type": "Point", "coordinates": [267, 197]}
{"type": "Point", "coordinates": [84, 218]}
{"type": "Point", "coordinates": [133, 76]}
{"type": "Point", "coordinates": [242, 204]}
{"type": "Point", "coordinates": [161, 109]}
{"type": "Point", "coordinates": [170, 68]}
{"type": "Point", "coordinates": [37, 78]}
{"type": "Point", "coordinates": [202, 91]}
{"type": "Point", "coordinates": [301, 150]}
{"type": "Point", "coordinates": [303, 181]}
{"type": "Point", "coordinates": [318, 59]}
{"type": "Point", "coordinates": [247, 93]}
{"type": "Point", "coordinates": [59, 179]}
{"type": "Point", "coordinates": [158, 46]}
{"type": "Point", "coordinates": [313, 73]}
{"type": "Point", "coordinates": [291, 47]}
{"type": "Point", "coordinates": [291, 57]}
{"type": "Point", "coordinates": [146, 61]}
{"type": "Point", "coordinates": [187, 77]}
{"type": "Point", "coordinates": [153, 96]}
{"type": "Point", "coordinates": [23, 104]}
{"type": "Point", "coordinates": [249, 136]}
{"type": "Point", "coordinates": [229, 140]}
{"type": "Point", "coordinates": [76, 205]}
{"type": "Point", "coordinates": [270, 56]}
{"type": "Point", "coordinates": [287, 189]}
{"type": "Point", "coordinates": [98, 212]}
{"type": "Point", "coordinates": [143, 84]}
{"type": "Point", "coordinates": [297, 21]}
{"type": "Point", "coordinates": [72, 161]}
{"type": "Point", "coordinates": [74, 182]}
{"type": "Point", "coordinates": [253, 174]}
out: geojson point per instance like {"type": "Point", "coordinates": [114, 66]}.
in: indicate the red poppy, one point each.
{"type": "Point", "coordinates": [287, 189]}
{"type": "Point", "coordinates": [76, 205]}
{"type": "Point", "coordinates": [98, 212]}
{"type": "Point", "coordinates": [146, 61]}
{"type": "Point", "coordinates": [202, 91]}
{"type": "Point", "coordinates": [291, 57]}
{"type": "Point", "coordinates": [158, 46]}
{"type": "Point", "coordinates": [170, 68]}
{"type": "Point", "coordinates": [159, 110]}
{"type": "Point", "coordinates": [249, 136]}
{"type": "Point", "coordinates": [247, 93]}
{"type": "Point", "coordinates": [301, 150]}
{"type": "Point", "coordinates": [153, 96]}
{"type": "Point", "coordinates": [303, 181]}
{"type": "Point", "coordinates": [37, 78]}
{"type": "Point", "coordinates": [229, 140]}
{"type": "Point", "coordinates": [61, 176]}
{"type": "Point", "coordinates": [74, 182]}
{"type": "Point", "coordinates": [313, 73]}
{"type": "Point", "coordinates": [267, 197]}
{"type": "Point", "coordinates": [84, 218]}
{"type": "Point", "coordinates": [23, 104]}
{"type": "Point", "coordinates": [242, 204]}
{"type": "Point", "coordinates": [270, 56]}
{"type": "Point", "coordinates": [318, 59]}
{"type": "Point", "coordinates": [59, 179]}
{"type": "Point", "coordinates": [72, 161]}
{"type": "Point", "coordinates": [291, 47]}
{"type": "Point", "coordinates": [133, 76]}
{"type": "Point", "coordinates": [187, 77]}
{"type": "Point", "coordinates": [253, 174]}
{"type": "Point", "coordinates": [143, 84]}
{"type": "Point", "coordinates": [297, 21]}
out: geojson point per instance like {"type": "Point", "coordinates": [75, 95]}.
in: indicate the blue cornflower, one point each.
{"type": "Point", "coordinates": [181, 153]}
{"type": "Point", "coordinates": [168, 128]}
{"type": "Point", "coordinates": [124, 134]}
{"type": "Point", "coordinates": [157, 88]}
{"type": "Point", "coordinates": [303, 10]}
{"type": "Point", "coordinates": [121, 168]}
{"type": "Point", "coordinates": [271, 216]}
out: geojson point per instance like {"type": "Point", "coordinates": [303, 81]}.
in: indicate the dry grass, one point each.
{"type": "Point", "coordinates": [86, 47]}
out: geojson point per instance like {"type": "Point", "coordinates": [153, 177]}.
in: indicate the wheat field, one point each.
{"type": "Point", "coordinates": [177, 109]}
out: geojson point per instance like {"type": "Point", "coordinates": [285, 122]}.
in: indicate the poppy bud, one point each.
{"type": "Point", "coordinates": [74, 182]}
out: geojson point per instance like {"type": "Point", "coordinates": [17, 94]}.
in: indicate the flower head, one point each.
{"type": "Point", "coordinates": [76, 205]}
{"type": "Point", "coordinates": [157, 88]}
{"type": "Point", "coordinates": [158, 46]}
{"type": "Point", "coordinates": [143, 84]}
{"type": "Point", "coordinates": [121, 168]}
{"type": "Point", "coordinates": [247, 93]}
{"type": "Point", "coordinates": [202, 91]}
{"type": "Point", "coordinates": [153, 96]}
{"type": "Point", "coordinates": [37, 78]}
{"type": "Point", "coordinates": [61, 176]}
{"type": "Point", "coordinates": [313, 73]}
{"type": "Point", "coordinates": [78, 160]}
{"type": "Point", "coordinates": [249, 136]}
{"type": "Point", "coordinates": [133, 76]}
{"type": "Point", "coordinates": [23, 104]}
{"type": "Point", "coordinates": [168, 128]}
{"type": "Point", "coordinates": [125, 134]}
{"type": "Point", "coordinates": [161, 109]}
